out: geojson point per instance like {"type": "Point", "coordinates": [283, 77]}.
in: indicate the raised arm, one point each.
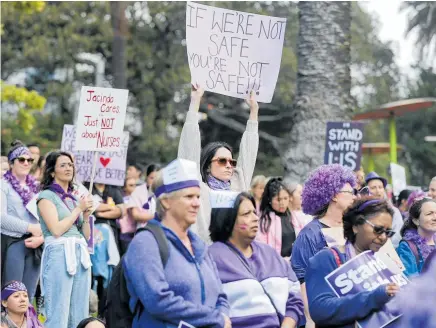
{"type": "Point", "coordinates": [190, 139]}
{"type": "Point", "coordinates": [249, 143]}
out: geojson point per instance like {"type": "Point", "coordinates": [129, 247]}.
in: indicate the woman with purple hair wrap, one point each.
{"type": "Point", "coordinates": [16, 309]}
{"type": "Point", "coordinates": [327, 193]}
{"type": "Point", "coordinates": [21, 235]}
{"type": "Point", "coordinates": [419, 235]}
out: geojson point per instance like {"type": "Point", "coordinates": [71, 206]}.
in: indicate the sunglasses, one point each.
{"type": "Point", "coordinates": [378, 230]}
{"type": "Point", "coordinates": [22, 160]}
{"type": "Point", "coordinates": [223, 161]}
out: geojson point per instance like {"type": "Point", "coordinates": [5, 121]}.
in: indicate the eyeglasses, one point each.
{"type": "Point", "coordinates": [379, 230]}
{"type": "Point", "coordinates": [347, 191]}
{"type": "Point", "coordinates": [65, 165]}
{"type": "Point", "coordinates": [223, 161]}
{"type": "Point", "coordinates": [22, 160]}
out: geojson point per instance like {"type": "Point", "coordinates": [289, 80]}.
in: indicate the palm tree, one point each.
{"type": "Point", "coordinates": [422, 18]}
{"type": "Point", "coordinates": [323, 83]}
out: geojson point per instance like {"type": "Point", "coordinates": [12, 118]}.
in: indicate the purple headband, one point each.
{"type": "Point", "coordinates": [367, 203]}
{"type": "Point", "coordinates": [166, 189]}
{"type": "Point", "coordinates": [13, 287]}
{"type": "Point", "coordinates": [22, 150]}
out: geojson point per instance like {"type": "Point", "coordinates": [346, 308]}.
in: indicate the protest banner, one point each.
{"type": "Point", "coordinates": [343, 144]}
{"type": "Point", "coordinates": [233, 52]}
{"type": "Point", "coordinates": [110, 166]}
{"type": "Point", "coordinates": [365, 272]}
{"type": "Point", "coordinates": [399, 181]}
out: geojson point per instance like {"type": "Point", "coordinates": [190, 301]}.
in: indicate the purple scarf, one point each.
{"type": "Point", "coordinates": [26, 194]}
{"type": "Point", "coordinates": [216, 184]}
{"type": "Point", "coordinates": [61, 192]}
{"type": "Point", "coordinates": [415, 237]}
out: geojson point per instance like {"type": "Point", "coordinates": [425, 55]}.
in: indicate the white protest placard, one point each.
{"type": "Point", "coordinates": [233, 52]}
{"type": "Point", "coordinates": [110, 166]}
{"type": "Point", "coordinates": [399, 181]}
{"type": "Point", "coordinates": [222, 198]}
{"type": "Point", "coordinates": [100, 122]}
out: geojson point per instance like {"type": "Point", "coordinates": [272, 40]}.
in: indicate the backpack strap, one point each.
{"type": "Point", "coordinates": [414, 250]}
{"type": "Point", "coordinates": [336, 255]}
{"type": "Point", "coordinates": [161, 240]}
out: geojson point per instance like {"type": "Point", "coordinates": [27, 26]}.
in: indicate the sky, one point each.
{"type": "Point", "coordinates": [393, 27]}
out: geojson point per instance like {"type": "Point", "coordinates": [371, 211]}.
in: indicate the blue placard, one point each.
{"type": "Point", "coordinates": [343, 144]}
{"type": "Point", "coordinates": [365, 272]}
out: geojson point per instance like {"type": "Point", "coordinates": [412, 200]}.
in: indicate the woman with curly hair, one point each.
{"type": "Point", "coordinates": [66, 264]}
{"type": "Point", "coordinates": [367, 226]}
{"type": "Point", "coordinates": [419, 235]}
{"type": "Point", "coordinates": [327, 193]}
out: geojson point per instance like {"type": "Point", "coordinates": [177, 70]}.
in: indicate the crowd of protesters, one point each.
{"type": "Point", "coordinates": [202, 242]}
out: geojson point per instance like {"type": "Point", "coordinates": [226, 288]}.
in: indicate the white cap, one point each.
{"type": "Point", "coordinates": [179, 174]}
{"type": "Point", "coordinates": [222, 199]}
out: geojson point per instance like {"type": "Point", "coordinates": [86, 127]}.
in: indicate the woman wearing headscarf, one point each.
{"type": "Point", "coordinates": [17, 311]}
{"type": "Point", "coordinates": [327, 193]}
{"type": "Point", "coordinates": [257, 280]}
{"type": "Point", "coordinates": [66, 264]}
{"type": "Point", "coordinates": [367, 226]}
{"type": "Point", "coordinates": [218, 169]}
{"type": "Point", "coordinates": [419, 236]}
{"type": "Point", "coordinates": [187, 289]}
{"type": "Point", "coordinates": [21, 236]}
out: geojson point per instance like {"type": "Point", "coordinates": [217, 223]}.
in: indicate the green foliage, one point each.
{"type": "Point", "coordinates": [420, 156]}
{"type": "Point", "coordinates": [27, 102]}
{"type": "Point", "coordinates": [422, 18]}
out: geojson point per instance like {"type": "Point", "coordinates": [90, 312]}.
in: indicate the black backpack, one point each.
{"type": "Point", "coordinates": [117, 311]}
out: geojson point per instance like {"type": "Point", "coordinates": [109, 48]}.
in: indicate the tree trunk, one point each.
{"type": "Point", "coordinates": [119, 26]}
{"type": "Point", "coordinates": [323, 83]}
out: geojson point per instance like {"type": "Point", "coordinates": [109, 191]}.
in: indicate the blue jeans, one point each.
{"type": "Point", "coordinates": [66, 297]}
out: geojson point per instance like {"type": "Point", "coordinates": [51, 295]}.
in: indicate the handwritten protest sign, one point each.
{"type": "Point", "coordinates": [366, 272]}
{"type": "Point", "coordinates": [343, 144]}
{"type": "Point", "coordinates": [233, 52]}
{"type": "Point", "coordinates": [100, 122]}
{"type": "Point", "coordinates": [399, 181]}
{"type": "Point", "coordinates": [111, 166]}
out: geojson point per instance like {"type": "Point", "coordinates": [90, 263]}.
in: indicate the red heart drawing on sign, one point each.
{"type": "Point", "coordinates": [104, 161]}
